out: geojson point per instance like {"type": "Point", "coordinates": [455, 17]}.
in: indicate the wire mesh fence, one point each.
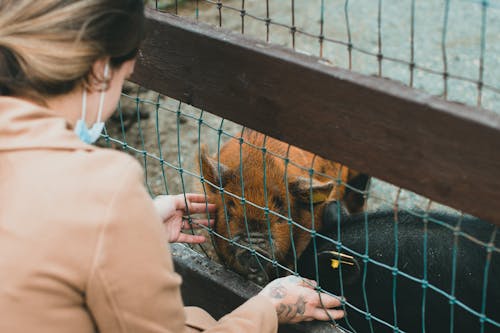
{"type": "Point", "coordinates": [401, 262]}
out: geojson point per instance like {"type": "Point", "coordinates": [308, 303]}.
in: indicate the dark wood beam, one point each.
{"type": "Point", "coordinates": [445, 151]}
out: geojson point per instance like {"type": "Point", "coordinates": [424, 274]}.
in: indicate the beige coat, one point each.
{"type": "Point", "coordinates": [81, 245]}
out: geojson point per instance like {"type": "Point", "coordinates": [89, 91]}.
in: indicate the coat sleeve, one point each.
{"type": "Point", "coordinates": [132, 285]}
{"type": "Point", "coordinates": [255, 315]}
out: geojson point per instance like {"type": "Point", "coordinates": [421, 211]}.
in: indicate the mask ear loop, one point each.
{"type": "Point", "coordinates": [103, 93]}
{"type": "Point", "coordinates": [84, 104]}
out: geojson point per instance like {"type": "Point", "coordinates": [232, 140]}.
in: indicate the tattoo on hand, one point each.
{"type": "Point", "coordinates": [301, 305]}
{"type": "Point", "coordinates": [288, 311]}
{"type": "Point", "coordinates": [278, 291]}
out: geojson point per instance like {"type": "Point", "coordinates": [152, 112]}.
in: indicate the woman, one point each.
{"type": "Point", "coordinates": [83, 247]}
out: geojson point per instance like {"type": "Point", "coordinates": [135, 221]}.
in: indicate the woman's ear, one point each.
{"type": "Point", "coordinates": [129, 68]}
{"type": "Point", "coordinates": [100, 75]}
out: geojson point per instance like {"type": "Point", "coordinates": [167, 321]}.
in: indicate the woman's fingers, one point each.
{"type": "Point", "coordinates": [197, 203]}
{"type": "Point", "coordinates": [327, 314]}
{"type": "Point", "coordinates": [195, 208]}
{"type": "Point", "coordinates": [197, 223]}
{"type": "Point", "coordinates": [191, 239]}
{"type": "Point", "coordinates": [196, 197]}
{"type": "Point", "coordinates": [328, 301]}
{"type": "Point", "coordinates": [324, 306]}
{"type": "Point", "coordinates": [308, 283]}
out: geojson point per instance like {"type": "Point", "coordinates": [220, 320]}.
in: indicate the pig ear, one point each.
{"type": "Point", "coordinates": [210, 170]}
{"type": "Point", "coordinates": [354, 199]}
{"type": "Point", "coordinates": [300, 187]}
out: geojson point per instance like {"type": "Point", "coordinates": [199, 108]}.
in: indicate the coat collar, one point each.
{"type": "Point", "coordinates": [24, 125]}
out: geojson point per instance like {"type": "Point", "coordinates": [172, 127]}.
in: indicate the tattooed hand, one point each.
{"type": "Point", "coordinates": [296, 300]}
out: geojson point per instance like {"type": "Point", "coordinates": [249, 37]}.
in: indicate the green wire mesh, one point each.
{"type": "Point", "coordinates": [168, 136]}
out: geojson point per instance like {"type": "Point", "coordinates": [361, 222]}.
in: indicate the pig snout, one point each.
{"type": "Point", "coordinates": [253, 266]}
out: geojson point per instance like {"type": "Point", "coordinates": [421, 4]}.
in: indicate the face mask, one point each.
{"type": "Point", "coordinates": [91, 135]}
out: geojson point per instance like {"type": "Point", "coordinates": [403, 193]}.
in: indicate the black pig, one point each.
{"type": "Point", "coordinates": [391, 296]}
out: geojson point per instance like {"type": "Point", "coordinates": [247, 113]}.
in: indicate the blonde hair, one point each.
{"type": "Point", "coordinates": [48, 47]}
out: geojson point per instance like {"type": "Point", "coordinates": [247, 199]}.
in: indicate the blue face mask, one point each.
{"type": "Point", "coordinates": [90, 135]}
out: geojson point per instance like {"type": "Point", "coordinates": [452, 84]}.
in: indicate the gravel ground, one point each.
{"type": "Point", "coordinates": [170, 131]}
{"type": "Point", "coordinates": [341, 21]}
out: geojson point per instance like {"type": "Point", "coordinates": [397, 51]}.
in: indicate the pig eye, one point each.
{"type": "Point", "coordinates": [230, 204]}
{"type": "Point", "coordinates": [278, 204]}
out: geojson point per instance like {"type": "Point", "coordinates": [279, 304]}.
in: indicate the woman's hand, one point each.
{"type": "Point", "coordinates": [172, 210]}
{"type": "Point", "coordinates": [296, 300]}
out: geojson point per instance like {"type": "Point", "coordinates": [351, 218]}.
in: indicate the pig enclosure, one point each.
{"type": "Point", "coordinates": [433, 146]}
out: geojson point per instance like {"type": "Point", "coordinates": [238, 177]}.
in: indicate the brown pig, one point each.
{"type": "Point", "coordinates": [256, 212]}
